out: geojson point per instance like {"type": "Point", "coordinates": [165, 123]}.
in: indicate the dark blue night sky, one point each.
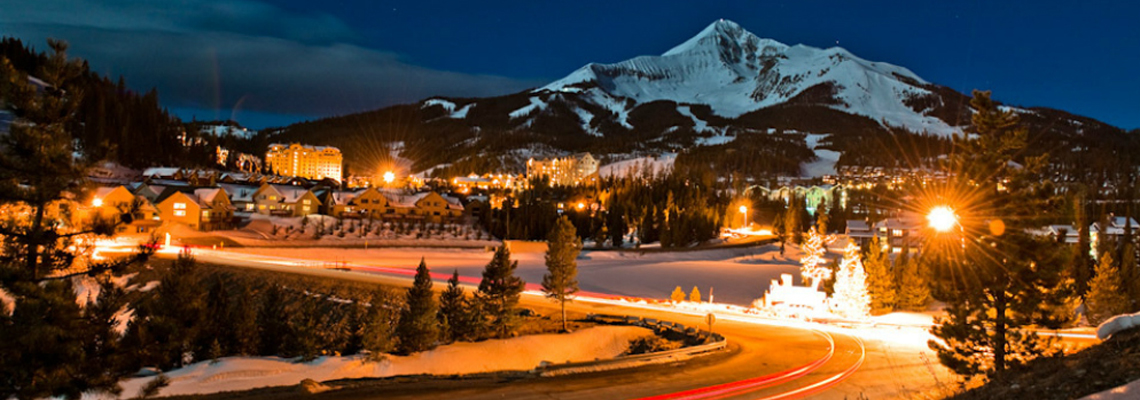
{"type": "Point", "coordinates": [268, 63]}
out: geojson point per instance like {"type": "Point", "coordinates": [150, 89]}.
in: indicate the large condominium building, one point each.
{"type": "Point", "coordinates": [310, 162]}
{"type": "Point", "coordinates": [568, 171]}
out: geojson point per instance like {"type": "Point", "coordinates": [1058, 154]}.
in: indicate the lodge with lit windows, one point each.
{"type": "Point", "coordinates": [309, 162]}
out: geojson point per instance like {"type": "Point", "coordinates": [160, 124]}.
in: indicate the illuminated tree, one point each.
{"type": "Point", "coordinates": [880, 280]}
{"type": "Point", "coordinates": [695, 295]}
{"type": "Point", "coordinates": [678, 295]}
{"type": "Point", "coordinates": [1106, 296]}
{"type": "Point", "coordinates": [812, 264]}
{"type": "Point", "coordinates": [561, 279]}
{"type": "Point", "coordinates": [851, 299]}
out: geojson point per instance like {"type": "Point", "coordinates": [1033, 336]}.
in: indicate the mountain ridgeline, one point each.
{"type": "Point", "coordinates": [725, 90]}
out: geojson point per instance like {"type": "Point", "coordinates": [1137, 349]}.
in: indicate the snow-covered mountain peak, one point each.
{"type": "Point", "coordinates": [735, 72]}
{"type": "Point", "coordinates": [727, 40]}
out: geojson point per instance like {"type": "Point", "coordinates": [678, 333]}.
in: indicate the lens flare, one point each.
{"type": "Point", "coordinates": [942, 218]}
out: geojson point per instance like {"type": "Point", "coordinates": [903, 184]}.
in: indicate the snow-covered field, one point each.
{"type": "Point", "coordinates": [515, 354]}
{"type": "Point", "coordinates": [735, 276]}
{"type": "Point", "coordinates": [298, 231]}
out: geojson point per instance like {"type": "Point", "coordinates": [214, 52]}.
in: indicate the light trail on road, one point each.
{"type": "Point", "coordinates": [718, 391]}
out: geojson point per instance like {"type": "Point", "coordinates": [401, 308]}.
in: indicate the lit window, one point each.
{"type": "Point", "coordinates": [897, 232]}
{"type": "Point", "coordinates": [179, 206]}
{"type": "Point", "coordinates": [179, 213]}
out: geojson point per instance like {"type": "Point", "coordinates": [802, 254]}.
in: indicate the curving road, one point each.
{"type": "Point", "coordinates": [765, 359]}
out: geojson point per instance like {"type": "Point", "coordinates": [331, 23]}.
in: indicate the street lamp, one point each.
{"type": "Point", "coordinates": [744, 210]}
{"type": "Point", "coordinates": [389, 177]}
{"type": "Point", "coordinates": [97, 202]}
{"type": "Point", "coordinates": [942, 218]}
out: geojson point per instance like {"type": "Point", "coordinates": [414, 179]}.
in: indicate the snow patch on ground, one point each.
{"type": "Point", "coordinates": [86, 289]}
{"type": "Point", "coordinates": [447, 105]}
{"type": "Point", "coordinates": [655, 165]}
{"type": "Point", "coordinates": [521, 353]}
{"type": "Point", "coordinates": [536, 104]}
{"type": "Point", "coordinates": [1128, 391]}
{"type": "Point", "coordinates": [1116, 324]}
{"type": "Point", "coordinates": [825, 159]}
{"type": "Point", "coordinates": [7, 303]}
{"type": "Point", "coordinates": [462, 112]}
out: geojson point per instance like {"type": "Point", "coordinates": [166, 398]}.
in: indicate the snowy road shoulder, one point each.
{"type": "Point", "coordinates": [515, 354]}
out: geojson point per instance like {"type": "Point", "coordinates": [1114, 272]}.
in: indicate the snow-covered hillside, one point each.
{"type": "Point", "coordinates": [735, 72]}
{"type": "Point", "coordinates": [225, 129]}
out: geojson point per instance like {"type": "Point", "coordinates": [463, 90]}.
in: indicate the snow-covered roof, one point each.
{"type": "Point", "coordinates": [239, 193]}
{"type": "Point", "coordinates": [103, 191]}
{"type": "Point", "coordinates": [858, 225]}
{"type": "Point", "coordinates": [161, 172]}
{"type": "Point", "coordinates": [452, 202]}
{"type": "Point", "coordinates": [341, 198]}
{"type": "Point", "coordinates": [290, 193]}
{"type": "Point", "coordinates": [208, 196]}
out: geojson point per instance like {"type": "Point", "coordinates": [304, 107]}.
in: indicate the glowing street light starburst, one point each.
{"type": "Point", "coordinates": [389, 177]}
{"type": "Point", "coordinates": [942, 218]}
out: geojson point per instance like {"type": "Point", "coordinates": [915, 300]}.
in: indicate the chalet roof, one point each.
{"type": "Point", "coordinates": [103, 191]}
{"type": "Point", "coordinates": [208, 195]}
{"type": "Point", "coordinates": [290, 193]}
{"type": "Point", "coordinates": [341, 198]}
{"type": "Point", "coordinates": [237, 192]}
{"type": "Point", "coordinates": [161, 171]}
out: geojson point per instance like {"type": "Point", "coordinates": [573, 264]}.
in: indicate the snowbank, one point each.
{"type": "Point", "coordinates": [1128, 391]}
{"type": "Point", "coordinates": [1116, 324]}
{"type": "Point", "coordinates": [7, 303]}
{"type": "Point", "coordinates": [522, 353]}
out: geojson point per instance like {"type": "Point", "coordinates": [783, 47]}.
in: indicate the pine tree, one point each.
{"type": "Point", "coordinates": [1003, 279]}
{"type": "Point", "coordinates": [678, 295]}
{"type": "Point", "coordinates": [499, 291]}
{"type": "Point", "coordinates": [453, 311]}
{"type": "Point", "coordinates": [880, 280]}
{"type": "Point", "coordinates": [914, 286]}
{"type": "Point", "coordinates": [561, 279]}
{"type": "Point", "coordinates": [1106, 296]}
{"type": "Point", "coordinates": [418, 328]}
{"type": "Point", "coordinates": [822, 218]}
{"type": "Point", "coordinates": [49, 347]}
{"type": "Point", "coordinates": [1082, 262]}
{"type": "Point", "coordinates": [379, 324]}
{"type": "Point", "coordinates": [272, 314]}
{"type": "Point", "coordinates": [851, 299]}
{"type": "Point", "coordinates": [828, 285]}
{"type": "Point", "coordinates": [695, 295]}
{"type": "Point", "coordinates": [812, 263]}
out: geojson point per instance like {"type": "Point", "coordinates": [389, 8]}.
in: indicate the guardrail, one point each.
{"type": "Point", "coordinates": [713, 342]}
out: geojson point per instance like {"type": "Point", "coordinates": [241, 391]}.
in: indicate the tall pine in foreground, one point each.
{"type": "Point", "coordinates": [1106, 296]}
{"type": "Point", "coordinates": [418, 329]}
{"type": "Point", "coordinates": [1003, 279]}
{"type": "Point", "coordinates": [498, 295]}
{"type": "Point", "coordinates": [49, 346]}
{"type": "Point", "coordinates": [561, 279]}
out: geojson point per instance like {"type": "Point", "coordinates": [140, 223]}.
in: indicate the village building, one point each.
{"type": "Point", "coordinates": [572, 170]}
{"type": "Point", "coordinates": [285, 200]}
{"type": "Point", "coordinates": [201, 209]}
{"type": "Point", "coordinates": [309, 162]}
{"type": "Point", "coordinates": [135, 214]}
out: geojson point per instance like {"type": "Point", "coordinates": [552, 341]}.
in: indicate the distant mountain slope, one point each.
{"type": "Point", "coordinates": [697, 98]}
